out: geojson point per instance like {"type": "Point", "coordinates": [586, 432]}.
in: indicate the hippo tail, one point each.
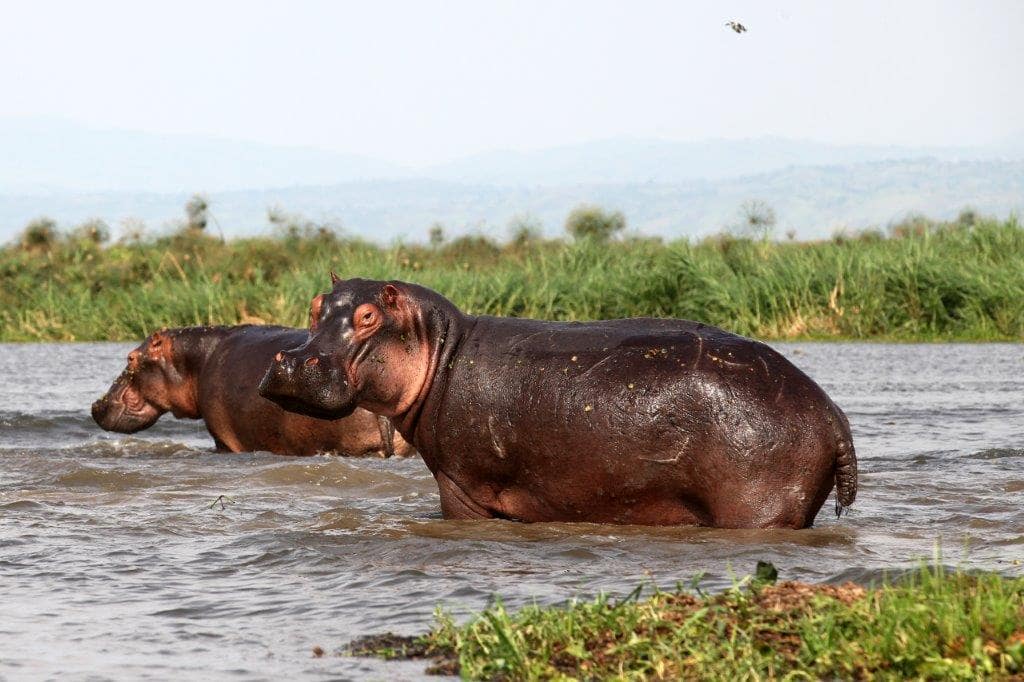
{"type": "Point", "coordinates": [846, 466]}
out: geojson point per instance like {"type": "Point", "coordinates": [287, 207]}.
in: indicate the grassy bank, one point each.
{"type": "Point", "coordinates": [933, 625]}
{"type": "Point", "coordinates": [932, 282]}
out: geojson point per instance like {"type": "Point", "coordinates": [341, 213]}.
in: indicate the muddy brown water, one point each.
{"type": "Point", "coordinates": [113, 564]}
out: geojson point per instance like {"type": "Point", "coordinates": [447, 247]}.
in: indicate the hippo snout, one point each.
{"type": "Point", "coordinates": [110, 415]}
{"type": "Point", "coordinates": [307, 384]}
{"type": "Point", "coordinates": [279, 375]}
{"type": "Point", "coordinates": [99, 410]}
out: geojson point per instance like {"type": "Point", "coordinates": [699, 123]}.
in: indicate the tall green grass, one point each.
{"type": "Point", "coordinates": [946, 282]}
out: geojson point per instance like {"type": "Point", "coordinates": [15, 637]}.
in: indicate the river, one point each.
{"type": "Point", "coordinates": [116, 562]}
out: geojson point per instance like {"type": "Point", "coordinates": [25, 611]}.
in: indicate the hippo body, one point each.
{"type": "Point", "coordinates": [640, 421]}
{"type": "Point", "coordinates": [653, 422]}
{"type": "Point", "coordinates": [212, 373]}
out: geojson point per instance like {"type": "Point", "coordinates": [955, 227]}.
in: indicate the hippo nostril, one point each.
{"type": "Point", "coordinates": [312, 361]}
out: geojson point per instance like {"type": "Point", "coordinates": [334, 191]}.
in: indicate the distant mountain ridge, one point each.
{"type": "Point", "coordinates": [812, 201]}
{"type": "Point", "coordinates": [636, 161]}
{"type": "Point", "coordinates": [39, 156]}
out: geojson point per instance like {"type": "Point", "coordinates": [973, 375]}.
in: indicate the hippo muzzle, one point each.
{"type": "Point", "coordinates": [124, 410]}
{"type": "Point", "coordinates": [305, 383]}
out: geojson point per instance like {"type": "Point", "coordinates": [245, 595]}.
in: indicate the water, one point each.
{"type": "Point", "coordinates": [113, 564]}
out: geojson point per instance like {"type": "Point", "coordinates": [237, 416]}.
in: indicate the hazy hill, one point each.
{"type": "Point", "coordinates": [56, 156]}
{"type": "Point", "coordinates": [630, 161]}
{"type": "Point", "coordinates": [812, 200]}
{"type": "Point", "coordinates": [44, 155]}
{"type": "Point", "coordinates": [72, 173]}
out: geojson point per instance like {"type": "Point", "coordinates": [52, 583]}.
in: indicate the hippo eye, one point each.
{"type": "Point", "coordinates": [365, 316]}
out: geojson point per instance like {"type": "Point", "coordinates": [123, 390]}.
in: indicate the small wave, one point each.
{"type": "Point", "coordinates": [31, 420]}
{"type": "Point", "coordinates": [894, 575]}
{"type": "Point", "coordinates": [996, 453]}
{"type": "Point", "coordinates": [24, 505]}
{"type": "Point", "coordinates": [338, 473]}
{"type": "Point", "coordinates": [125, 447]}
{"type": "Point", "coordinates": [129, 446]}
{"type": "Point", "coordinates": [340, 520]}
{"type": "Point", "coordinates": [108, 479]}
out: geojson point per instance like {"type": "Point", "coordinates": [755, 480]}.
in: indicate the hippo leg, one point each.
{"type": "Point", "coordinates": [740, 507]}
{"type": "Point", "coordinates": [456, 504]}
{"type": "Point", "coordinates": [387, 435]}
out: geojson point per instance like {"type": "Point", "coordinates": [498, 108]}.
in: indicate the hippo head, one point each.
{"type": "Point", "coordinates": [367, 347]}
{"type": "Point", "coordinates": [148, 387]}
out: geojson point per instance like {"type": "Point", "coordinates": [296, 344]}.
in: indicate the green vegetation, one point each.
{"type": "Point", "coordinates": [593, 222]}
{"type": "Point", "coordinates": [932, 625]}
{"type": "Point", "coordinates": [924, 280]}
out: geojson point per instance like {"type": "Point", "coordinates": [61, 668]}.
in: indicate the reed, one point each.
{"type": "Point", "coordinates": [943, 282]}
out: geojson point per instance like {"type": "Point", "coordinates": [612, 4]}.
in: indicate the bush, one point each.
{"type": "Point", "coordinates": [594, 223]}
{"type": "Point", "coordinates": [471, 247]}
{"type": "Point", "coordinates": [524, 229]}
{"type": "Point", "coordinates": [40, 235]}
{"type": "Point", "coordinates": [914, 225]}
{"type": "Point", "coordinates": [93, 232]}
{"type": "Point", "coordinates": [757, 220]}
{"type": "Point", "coordinates": [294, 227]}
{"type": "Point", "coordinates": [436, 235]}
{"type": "Point", "coordinates": [196, 212]}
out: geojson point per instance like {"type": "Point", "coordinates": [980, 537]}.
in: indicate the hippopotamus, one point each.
{"type": "Point", "coordinates": [211, 373]}
{"type": "Point", "coordinates": [632, 421]}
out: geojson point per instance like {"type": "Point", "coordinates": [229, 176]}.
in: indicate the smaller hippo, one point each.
{"type": "Point", "coordinates": [212, 373]}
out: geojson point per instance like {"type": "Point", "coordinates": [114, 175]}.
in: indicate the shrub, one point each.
{"type": "Point", "coordinates": [94, 232]}
{"type": "Point", "coordinates": [40, 235]}
{"type": "Point", "coordinates": [593, 222]}
{"type": "Point", "coordinates": [757, 220]}
{"type": "Point", "coordinates": [524, 229]}
{"type": "Point", "coordinates": [436, 235]}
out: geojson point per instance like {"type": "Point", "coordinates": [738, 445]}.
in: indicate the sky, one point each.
{"type": "Point", "coordinates": [424, 82]}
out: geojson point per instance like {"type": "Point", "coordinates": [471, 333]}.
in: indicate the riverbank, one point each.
{"type": "Point", "coordinates": [931, 624]}
{"type": "Point", "coordinates": [932, 282]}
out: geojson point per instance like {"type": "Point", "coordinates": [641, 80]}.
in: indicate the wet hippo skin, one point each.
{"type": "Point", "coordinates": [211, 373]}
{"type": "Point", "coordinates": [642, 421]}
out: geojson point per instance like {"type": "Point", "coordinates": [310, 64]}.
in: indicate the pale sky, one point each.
{"type": "Point", "coordinates": [419, 82]}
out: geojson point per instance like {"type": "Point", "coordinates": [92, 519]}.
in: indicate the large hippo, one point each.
{"type": "Point", "coordinates": [642, 421]}
{"type": "Point", "coordinates": [211, 373]}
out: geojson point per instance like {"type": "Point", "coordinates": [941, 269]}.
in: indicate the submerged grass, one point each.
{"type": "Point", "coordinates": [946, 282]}
{"type": "Point", "coordinates": [934, 624]}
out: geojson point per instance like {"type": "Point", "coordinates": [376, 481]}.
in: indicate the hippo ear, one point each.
{"type": "Point", "coordinates": [334, 278]}
{"type": "Point", "coordinates": [159, 345]}
{"type": "Point", "coordinates": [389, 295]}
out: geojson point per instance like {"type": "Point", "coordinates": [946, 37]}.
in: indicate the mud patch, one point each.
{"type": "Point", "coordinates": [389, 646]}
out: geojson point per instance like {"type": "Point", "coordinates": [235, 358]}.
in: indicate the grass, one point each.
{"type": "Point", "coordinates": [933, 282]}
{"type": "Point", "coordinates": [934, 624]}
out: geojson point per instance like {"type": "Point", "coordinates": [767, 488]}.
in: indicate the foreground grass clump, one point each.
{"type": "Point", "coordinates": [942, 281]}
{"type": "Point", "coordinates": [932, 625]}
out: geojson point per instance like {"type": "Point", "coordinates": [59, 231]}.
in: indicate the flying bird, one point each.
{"type": "Point", "coordinates": [736, 26]}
